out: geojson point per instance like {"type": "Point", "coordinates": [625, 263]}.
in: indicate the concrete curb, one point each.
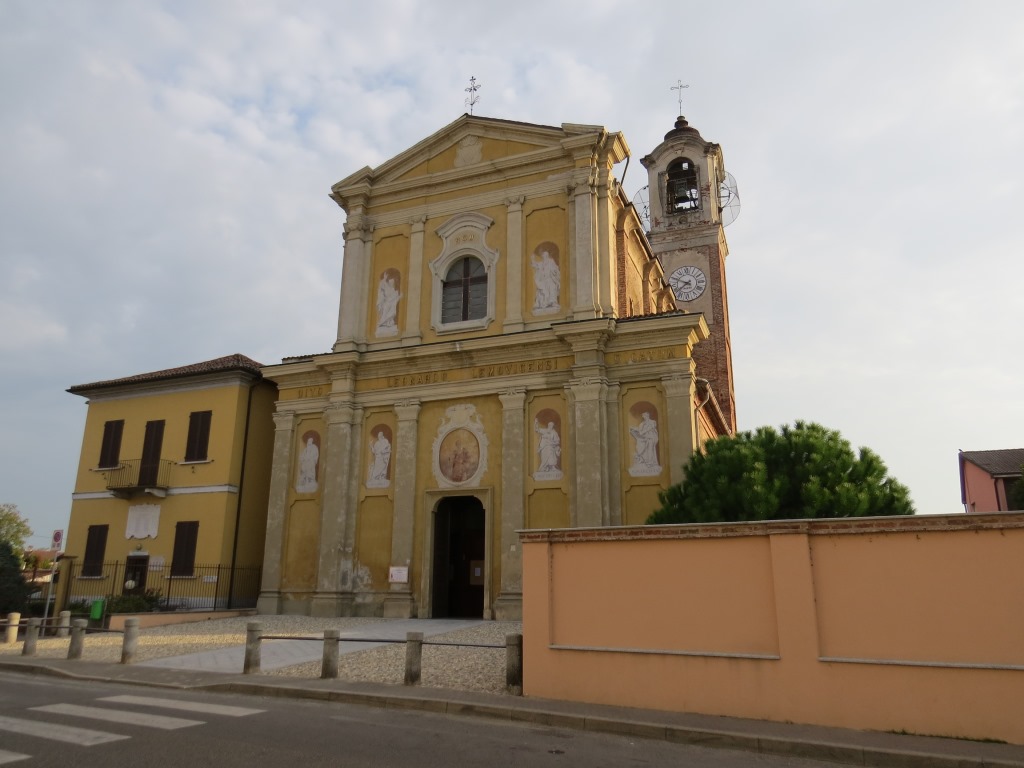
{"type": "Point", "coordinates": [541, 712]}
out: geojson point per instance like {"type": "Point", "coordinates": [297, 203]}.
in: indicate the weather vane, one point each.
{"type": "Point", "coordinates": [471, 101]}
{"type": "Point", "coordinates": [679, 87]}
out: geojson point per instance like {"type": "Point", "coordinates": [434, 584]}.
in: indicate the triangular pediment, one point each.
{"type": "Point", "coordinates": [469, 142]}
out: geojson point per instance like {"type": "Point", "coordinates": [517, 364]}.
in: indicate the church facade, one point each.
{"type": "Point", "coordinates": [510, 353]}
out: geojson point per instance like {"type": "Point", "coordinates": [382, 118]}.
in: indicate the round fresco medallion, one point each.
{"type": "Point", "coordinates": [459, 457]}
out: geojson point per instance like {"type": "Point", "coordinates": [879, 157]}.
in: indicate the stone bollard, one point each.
{"type": "Point", "coordinates": [329, 667]}
{"type": "Point", "coordinates": [64, 624]}
{"type": "Point", "coordinates": [514, 664]}
{"type": "Point", "coordinates": [77, 638]}
{"type": "Point", "coordinates": [31, 635]}
{"type": "Point", "coordinates": [253, 632]}
{"type": "Point", "coordinates": [131, 640]}
{"type": "Point", "coordinates": [13, 620]}
{"type": "Point", "coordinates": [413, 657]}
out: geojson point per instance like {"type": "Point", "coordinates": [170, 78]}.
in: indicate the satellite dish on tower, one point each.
{"type": "Point", "coordinates": [642, 203]}
{"type": "Point", "coordinates": [728, 199]}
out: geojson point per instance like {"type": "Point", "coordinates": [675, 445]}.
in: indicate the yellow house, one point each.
{"type": "Point", "coordinates": [171, 491]}
{"type": "Point", "coordinates": [510, 353]}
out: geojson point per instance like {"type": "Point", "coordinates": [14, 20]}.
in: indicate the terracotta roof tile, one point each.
{"type": "Point", "coordinates": [219, 365]}
{"type": "Point", "coordinates": [1005, 461]}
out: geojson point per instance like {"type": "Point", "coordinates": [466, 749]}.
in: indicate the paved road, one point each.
{"type": "Point", "coordinates": [47, 723]}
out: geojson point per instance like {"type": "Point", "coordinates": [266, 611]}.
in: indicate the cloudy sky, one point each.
{"type": "Point", "coordinates": [165, 170]}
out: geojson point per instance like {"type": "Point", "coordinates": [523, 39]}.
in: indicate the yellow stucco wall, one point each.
{"type": "Point", "coordinates": [198, 491]}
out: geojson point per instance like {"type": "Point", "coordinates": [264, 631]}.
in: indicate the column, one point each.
{"type": "Point", "coordinates": [682, 436]}
{"type": "Point", "coordinates": [509, 605]}
{"type": "Point", "coordinates": [280, 477]}
{"type": "Point", "coordinates": [414, 284]}
{"type": "Point", "coordinates": [399, 603]}
{"type": "Point", "coordinates": [514, 261]}
{"type": "Point", "coordinates": [334, 509]}
{"type": "Point", "coordinates": [589, 440]}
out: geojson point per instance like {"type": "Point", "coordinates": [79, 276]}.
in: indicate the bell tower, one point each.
{"type": "Point", "coordinates": [689, 200]}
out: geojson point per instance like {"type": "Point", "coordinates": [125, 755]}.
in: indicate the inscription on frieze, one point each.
{"type": "Point", "coordinates": [641, 356]}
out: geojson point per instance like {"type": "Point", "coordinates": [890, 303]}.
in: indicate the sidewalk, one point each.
{"type": "Point", "coordinates": [833, 744]}
{"type": "Point", "coordinates": [275, 654]}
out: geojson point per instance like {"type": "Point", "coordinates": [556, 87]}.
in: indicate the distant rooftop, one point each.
{"type": "Point", "coordinates": [1000, 462]}
{"type": "Point", "coordinates": [219, 365]}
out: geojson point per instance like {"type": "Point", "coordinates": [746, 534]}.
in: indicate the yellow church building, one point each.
{"type": "Point", "coordinates": [518, 346]}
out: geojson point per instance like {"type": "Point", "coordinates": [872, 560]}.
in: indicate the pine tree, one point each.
{"type": "Point", "coordinates": [795, 472]}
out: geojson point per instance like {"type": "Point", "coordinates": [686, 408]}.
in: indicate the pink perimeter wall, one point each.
{"type": "Point", "coordinates": [911, 623]}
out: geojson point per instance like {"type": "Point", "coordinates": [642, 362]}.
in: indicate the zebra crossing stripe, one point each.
{"type": "Point", "coordinates": [11, 757]}
{"type": "Point", "coordinates": [119, 716]}
{"type": "Point", "coordinates": [66, 733]}
{"type": "Point", "coordinates": [188, 706]}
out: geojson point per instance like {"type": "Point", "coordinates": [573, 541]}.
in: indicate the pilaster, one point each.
{"type": "Point", "coordinates": [509, 605]}
{"type": "Point", "coordinates": [514, 266]}
{"type": "Point", "coordinates": [413, 334]}
{"type": "Point", "coordinates": [280, 474]}
{"type": "Point", "coordinates": [682, 437]}
{"type": "Point", "coordinates": [613, 454]}
{"type": "Point", "coordinates": [354, 281]}
{"type": "Point", "coordinates": [604, 247]}
{"type": "Point", "coordinates": [334, 510]}
{"type": "Point", "coordinates": [584, 267]}
{"type": "Point", "coordinates": [399, 602]}
{"type": "Point", "coordinates": [590, 443]}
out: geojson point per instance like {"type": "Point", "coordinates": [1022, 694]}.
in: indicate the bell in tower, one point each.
{"type": "Point", "coordinates": [690, 200]}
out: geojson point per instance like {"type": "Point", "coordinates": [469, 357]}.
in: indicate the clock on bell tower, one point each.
{"type": "Point", "coordinates": [688, 202]}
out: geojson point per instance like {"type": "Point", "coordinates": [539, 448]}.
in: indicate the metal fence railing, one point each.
{"type": "Point", "coordinates": [142, 587]}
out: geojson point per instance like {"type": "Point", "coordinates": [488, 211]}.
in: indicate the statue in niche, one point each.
{"type": "Point", "coordinates": [380, 450]}
{"type": "Point", "coordinates": [309, 460]}
{"type": "Point", "coordinates": [549, 446]}
{"type": "Point", "coordinates": [388, 294]}
{"type": "Point", "coordinates": [547, 279]}
{"type": "Point", "coordinates": [645, 456]}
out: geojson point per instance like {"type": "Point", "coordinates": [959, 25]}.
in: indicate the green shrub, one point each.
{"type": "Point", "coordinates": [146, 603]}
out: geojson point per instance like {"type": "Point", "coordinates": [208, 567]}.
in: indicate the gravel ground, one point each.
{"type": "Point", "coordinates": [461, 668]}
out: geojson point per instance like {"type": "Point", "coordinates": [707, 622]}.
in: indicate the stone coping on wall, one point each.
{"type": "Point", "coordinates": [811, 527]}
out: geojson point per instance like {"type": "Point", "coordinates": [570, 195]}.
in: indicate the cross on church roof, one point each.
{"type": "Point", "coordinates": [679, 87]}
{"type": "Point", "coordinates": [473, 98]}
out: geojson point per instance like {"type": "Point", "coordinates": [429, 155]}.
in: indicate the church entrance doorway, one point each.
{"type": "Point", "coordinates": [458, 579]}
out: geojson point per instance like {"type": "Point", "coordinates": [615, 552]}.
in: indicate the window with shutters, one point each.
{"type": "Point", "coordinates": [465, 272]}
{"type": "Point", "coordinates": [95, 550]}
{"type": "Point", "coordinates": [110, 450]}
{"type": "Point", "coordinates": [198, 443]}
{"type": "Point", "coordinates": [464, 291]}
{"type": "Point", "coordinates": [183, 561]}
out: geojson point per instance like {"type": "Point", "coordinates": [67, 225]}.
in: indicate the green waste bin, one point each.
{"type": "Point", "coordinates": [96, 610]}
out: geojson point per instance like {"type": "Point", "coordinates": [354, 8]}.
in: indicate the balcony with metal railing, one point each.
{"type": "Point", "coordinates": [133, 476]}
